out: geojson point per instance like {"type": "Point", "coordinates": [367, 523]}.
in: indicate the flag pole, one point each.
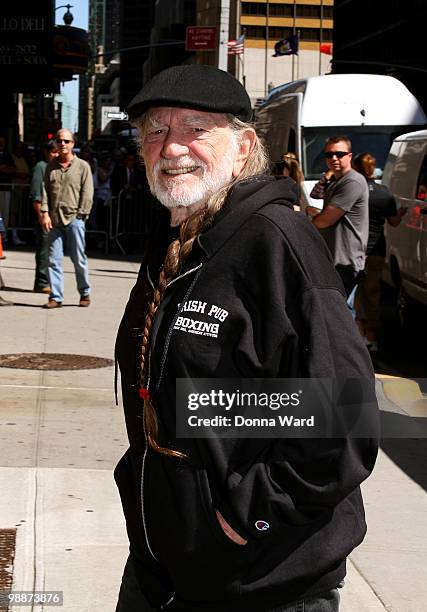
{"type": "Point", "coordinates": [243, 62]}
{"type": "Point", "coordinates": [238, 34]}
{"type": "Point", "coordinates": [293, 33]}
{"type": "Point", "coordinates": [224, 35]}
{"type": "Point", "coordinates": [267, 34]}
{"type": "Point", "coordinates": [320, 37]}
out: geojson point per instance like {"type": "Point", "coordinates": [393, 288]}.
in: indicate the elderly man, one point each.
{"type": "Point", "coordinates": [234, 285]}
{"type": "Point", "coordinates": [344, 220]}
{"type": "Point", "coordinates": [66, 205]}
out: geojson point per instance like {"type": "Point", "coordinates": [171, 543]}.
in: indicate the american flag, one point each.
{"type": "Point", "coordinates": [236, 47]}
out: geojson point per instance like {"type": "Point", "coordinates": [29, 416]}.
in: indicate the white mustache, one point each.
{"type": "Point", "coordinates": [178, 164]}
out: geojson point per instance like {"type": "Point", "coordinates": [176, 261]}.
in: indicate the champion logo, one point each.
{"type": "Point", "coordinates": [262, 525]}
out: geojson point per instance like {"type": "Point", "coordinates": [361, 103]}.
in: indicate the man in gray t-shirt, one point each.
{"type": "Point", "coordinates": [344, 220]}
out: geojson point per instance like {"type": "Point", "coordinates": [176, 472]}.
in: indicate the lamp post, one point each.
{"type": "Point", "coordinates": [68, 16]}
{"type": "Point", "coordinates": [68, 19]}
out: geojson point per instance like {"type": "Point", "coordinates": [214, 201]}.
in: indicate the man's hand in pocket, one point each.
{"type": "Point", "coordinates": [229, 531]}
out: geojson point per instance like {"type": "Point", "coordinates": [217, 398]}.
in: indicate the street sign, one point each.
{"type": "Point", "coordinates": [200, 38]}
{"type": "Point", "coordinates": [120, 115]}
{"type": "Point", "coordinates": [111, 112]}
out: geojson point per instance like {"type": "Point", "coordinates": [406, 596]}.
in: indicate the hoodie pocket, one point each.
{"type": "Point", "coordinates": [210, 512]}
{"type": "Point", "coordinates": [185, 534]}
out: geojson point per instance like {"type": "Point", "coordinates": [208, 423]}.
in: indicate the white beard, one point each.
{"type": "Point", "coordinates": [180, 192]}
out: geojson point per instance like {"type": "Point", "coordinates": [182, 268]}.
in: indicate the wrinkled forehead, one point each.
{"type": "Point", "coordinates": [168, 115]}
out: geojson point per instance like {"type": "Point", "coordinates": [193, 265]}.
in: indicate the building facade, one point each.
{"type": "Point", "coordinates": [268, 22]}
{"type": "Point", "coordinates": [264, 23]}
{"type": "Point", "coordinates": [160, 29]}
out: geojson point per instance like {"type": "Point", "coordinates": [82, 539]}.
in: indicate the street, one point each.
{"type": "Point", "coordinates": [61, 436]}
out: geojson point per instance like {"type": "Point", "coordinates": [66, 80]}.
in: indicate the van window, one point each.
{"type": "Point", "coordinates": [376, 140]}
{"type": "Point", "coordinates": [421, 191]}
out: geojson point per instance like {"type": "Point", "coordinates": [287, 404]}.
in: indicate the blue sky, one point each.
{"type": "Point", "coordinates": [79, 10]}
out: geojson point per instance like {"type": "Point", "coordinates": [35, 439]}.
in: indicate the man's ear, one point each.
{"type": "Point", "coordinates": [246, 146]}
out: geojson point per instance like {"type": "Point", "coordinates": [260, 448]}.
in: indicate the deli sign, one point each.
{"type": "Point", "coordinates": [200, 38]}
{"type": "Point", "coordinates": [26, 30]}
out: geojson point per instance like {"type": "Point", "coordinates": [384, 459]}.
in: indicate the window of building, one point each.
{"type": "Point", "coordinates": [255, 32]}
{"type": "Point", "coordinates": [277, 33]}
{"type": "Point", "coordinates": [281, 10]}
{"type": "Point", "coordinates": [309, 34]}
{"type": "Point", "coordinates": [314, 12]}
{"type": "Point", "coordinates": [308, 11]}
{"type": "Point", "coordinates": [285, 10]}
{"type": "Point", "coordinates": [254, 8]}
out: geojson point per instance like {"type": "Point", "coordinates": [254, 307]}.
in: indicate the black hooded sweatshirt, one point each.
{"type": "Point", "coordinates": [266, 267]}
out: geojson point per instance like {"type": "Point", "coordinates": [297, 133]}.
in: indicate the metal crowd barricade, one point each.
{"type": "Point", "coordinates": [133, 215]}
{"type": "Point", "coordinates": [102, 229]}
{"type": "Point", "coordinates": [16, 208]}
{"type": "Point", "coordinates": [129, 214]}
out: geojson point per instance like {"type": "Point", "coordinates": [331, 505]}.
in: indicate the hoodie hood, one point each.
{"type": "Point", "coordinates": [245, 198]}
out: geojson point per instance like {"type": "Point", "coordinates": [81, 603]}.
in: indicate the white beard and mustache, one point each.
{"type": "Point", "coordinates": [176, 191]}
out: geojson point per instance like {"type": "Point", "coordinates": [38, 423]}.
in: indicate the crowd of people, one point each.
{"type": "Point", "coordinates": [354, 232]}
{"type": "Point", "coordinates": [355, 210]}
{"type": "Point", "coordinates": [22, 185]}
{"type": "Point", "coordinates": [111, 171]}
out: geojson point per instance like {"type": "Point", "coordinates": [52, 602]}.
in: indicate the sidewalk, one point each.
{"type": "Point", "coordinates": [61, 435]}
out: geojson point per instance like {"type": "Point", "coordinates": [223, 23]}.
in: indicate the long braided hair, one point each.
{"type": "Point", "coordinates": [178, 251]}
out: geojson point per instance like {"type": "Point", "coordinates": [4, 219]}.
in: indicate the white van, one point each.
{"type": "Point", "coordinates": [405, 175]}
{"type": "Point", "coordinates": [370, 109]}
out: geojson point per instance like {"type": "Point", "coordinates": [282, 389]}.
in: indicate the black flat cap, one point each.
{"type": "Point", "coordinates": [194, 86]}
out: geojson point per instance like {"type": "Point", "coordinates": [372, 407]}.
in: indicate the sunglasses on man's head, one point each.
{"type": "Point", "coordinates": [62, 140]}
{"type": "Point", "coordinates": [338, 154]}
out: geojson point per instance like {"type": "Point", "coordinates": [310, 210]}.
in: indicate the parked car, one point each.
{"type": "Point", "coordinates": [405, 174]}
